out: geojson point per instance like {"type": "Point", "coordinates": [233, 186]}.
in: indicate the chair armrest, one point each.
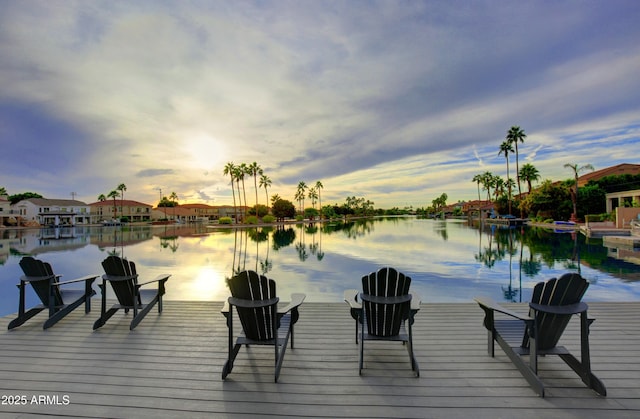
{"type": "Point", "coordinates": [296, 301]}
{"type": "Point", "coordinates": [488, 305]}
{"type": "Point", "coordinates": [116, 278]}
{"type": "Point", "coordinates": [350, 297]}
{"type": "Point", "coordinates": [162, 277]}
{"type": "Point", "coordinates": [25, 278]}
{"type": "Point", "coordinates": [577, 308]}
{"type": "Point", "coordinates": [239, 302]}
{"type": "Point", "coordinates": [83, 279]}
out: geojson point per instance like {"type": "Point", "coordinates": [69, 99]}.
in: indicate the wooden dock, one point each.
{"type": "Point", "coordinates": [170, 366]}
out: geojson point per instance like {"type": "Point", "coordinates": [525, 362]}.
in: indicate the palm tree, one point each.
{"type": "Point", "coordinates": [121, 188]}
{"type": "Point", "coordinates": [255, 170]}
{"type": "Point", "coordinates": [265, 182]}
{"type": "Point", "coordinates": [529, 174]}
{"type": "Point", "coordinates": [174, 198]}
{"type": "Point", "coordinates": [313, 196]}
{"type": "Point", "coordinates": [487, 183]}
{"type": "Point", "coordinates": [319, 186]}
{"type": "Point", "coordinates": [574, 196]}
{"type": "Point", "coordinates": [229, 169]}
{"type": "Point", "coordinates": [514, 136]}
{"type": "Point", "coordinates": [478, 179]}
{"type": "Point", "coordinates": [102, 198]}
{"type": "Point", "coordinates": [498, 185]}
{"type": "Point", "coordinates": [302, 188]}
{"type": "Point", "coordinates": [506, 148]}
{"type": "Point", "coordinates": [238, 173]}
{"type": "Point", "coordinates": [114, 194]}
{"type": "Point", "coordinates": [244, 170]}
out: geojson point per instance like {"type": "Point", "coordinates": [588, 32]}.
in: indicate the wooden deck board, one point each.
{"type": "Point", "coordinates": [170, 366]}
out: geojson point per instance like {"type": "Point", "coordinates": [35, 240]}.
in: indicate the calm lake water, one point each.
{"type": "Point", "coordinates": [449, 261]}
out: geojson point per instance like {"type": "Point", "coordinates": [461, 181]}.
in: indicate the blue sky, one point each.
{"type": "Point", "coordinates": [393, 101]}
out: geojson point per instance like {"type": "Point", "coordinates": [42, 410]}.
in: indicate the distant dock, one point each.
{"type": "Point", "coordinates": [510, 222]}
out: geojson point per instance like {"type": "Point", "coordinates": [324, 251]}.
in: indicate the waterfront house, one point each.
{"type": "Point", "coordinates": [5, 210]}
{"type": "Point", "coordinates": [108, 210]}
{"type": "Point", "coordinates": [51, 212]}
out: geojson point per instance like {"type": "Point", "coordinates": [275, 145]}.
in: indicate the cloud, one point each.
{"type": "Point", "coordinates": [154, 172]}
{"type": "Point", "coordinates": [399, 100]}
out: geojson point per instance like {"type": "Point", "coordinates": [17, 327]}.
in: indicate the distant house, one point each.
{"type": "Point", "coordinates": [5, 209]}
{"type": "Point", "coordinates": [202, 212]}
{"type": "Point", "coordinates": [619, 169]}
{"type": "Point", "coordinates": [177, 213]}
{"type": "Point", "coordinates": [105, 211]}
{"type": "Point", "coordinates": [51, 212]}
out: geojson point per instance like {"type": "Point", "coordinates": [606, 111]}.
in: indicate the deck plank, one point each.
{"type": "Point", "coordinates": [170, 366]}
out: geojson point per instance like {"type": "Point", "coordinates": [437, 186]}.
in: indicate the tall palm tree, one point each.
{"type": "Point", "coordinates": [244, 170]}
{"type": "Point", "coordinates": [478, 179]}
{"type": "Point", "coordinates": [102, 198]}
{"type": "Point", "coordinates": [229, 169]}
{"type": "Point", "coordinates": [121, 188]}
{"type": "Point", "coordinates": [319, 186]}
{"type": "Point", "coordinates": [302, 188]}
{"type": "Point", "coordinates": [239, 175]}
{"type": "Point", "coordinates": [174, 198]}
{"type": "Point", "coordinates": [313, 196]}
{"type": "Point", "coordinates": [574, 196]}
{"type": "Point", "coordinates": [506, 148]}
{"type": "Point", "coordinates": [516, 135]}
{"type": "Point", "coordinates": [487, 183]}
{"type": "Point", "coordinates": [529, 174]}
{"type": "Point", "coordinates": [265, 182]}
{"type": "Point", "coordinates": [114, 194]}
{"type": "Point", "coordinates": [255, 170]}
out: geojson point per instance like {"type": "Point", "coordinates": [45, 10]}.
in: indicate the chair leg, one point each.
{"type": "Point", "coordinates": [103, 319]}
{"type": "Point", "coordinates": [142, 313]}
{"type": "Point", "coordinates": [21, 319]}
{"type": "Point", "coordinates": [361, 366]}
{"type": "Point", "coordinates": [414, 362]}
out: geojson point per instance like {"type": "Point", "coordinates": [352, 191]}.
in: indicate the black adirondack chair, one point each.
{"type": "Point", "coordinates": [552, 305]}
{"type": "Point", "coordinates": [48, 287]}
{"type": "Point", "coordinates": [263, 323]}
{"type": "Point", "coordinates": [122, 276]}
{"type": "Point", "coordinates": [384, 311]}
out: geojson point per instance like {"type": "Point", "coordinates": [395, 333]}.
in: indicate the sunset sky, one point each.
{"type": "Point", "coordinates": [393, 101]}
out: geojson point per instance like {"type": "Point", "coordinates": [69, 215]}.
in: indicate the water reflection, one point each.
{"type": "Point", "coordinates": [448, 260]}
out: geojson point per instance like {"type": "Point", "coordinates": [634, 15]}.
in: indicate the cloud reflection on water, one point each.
{"type": "Point", "coordinates": [448, 261]}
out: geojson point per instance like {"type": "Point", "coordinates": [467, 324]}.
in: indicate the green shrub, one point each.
{"type": "Point", "coordinates": [268, 218]}
{"type": "Point", "coordinates": [252, 219]}
{"type": "Point", "coordinates": [224, 220]}
{"type": "Point", "coordinates": [299, 217]}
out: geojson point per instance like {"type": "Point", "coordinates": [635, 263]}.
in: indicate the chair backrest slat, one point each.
{"type": "Point", "coordinates": [385, 319]}
{"type": "Point", "coordinates": [257, 323]}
